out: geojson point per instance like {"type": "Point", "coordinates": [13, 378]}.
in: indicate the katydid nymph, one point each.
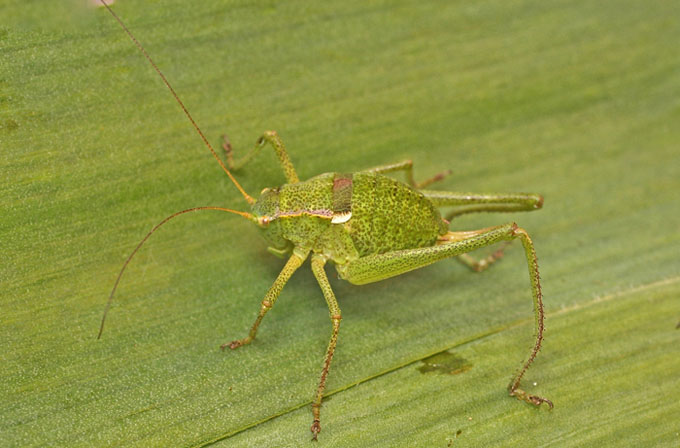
{"type": "Point", "coordinates": [370, 226]}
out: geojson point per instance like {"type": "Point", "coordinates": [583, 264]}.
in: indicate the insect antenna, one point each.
{"type": "Point", "coordinates": [120, 274]}
{"type": "Point", "coordinates": [247, 197]}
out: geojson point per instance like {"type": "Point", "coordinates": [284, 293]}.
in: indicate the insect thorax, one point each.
{"type": "Point", "coordinates": [345, 216]}
{"type": "Point", "coordinates": [389, 215]}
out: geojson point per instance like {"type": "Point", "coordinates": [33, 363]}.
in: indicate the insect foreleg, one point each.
{"type": "Point", "coordinates": [318, 263]}
{"type": "Point", "coordinates": [488, 202]}
{"type": "Point", "coordinates": [279, 148]}
{"type": "Point", "coordinates": [372, 268]}
{"type": "Point", "coordinates": [407, 167]}
{"type": "Point", "coordinates": [294, 262]}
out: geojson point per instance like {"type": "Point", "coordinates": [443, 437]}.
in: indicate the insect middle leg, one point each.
{"type": "Point", "coordinates": [294, 262]}
{"type": "Point", "coordinates": [376, 267]}
{"type": "Point", "coordinates": [318, 263]}
{"type": "Point", "coordinates": [268, 137]}
{"type": "Point", "coordinates": [407, 167]}
{"type": "Point", "coordinates": [479, 265]}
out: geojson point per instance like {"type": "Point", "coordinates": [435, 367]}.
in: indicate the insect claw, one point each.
{"type": "Point", "coordinates": [316, 429]}
{"type": "Point", "coordinates": [238, 343]}
{"type": "Point", "coordinates": [540, 400]}
{"type": "Point", "coordinates": [232, 345]}
{"type": "Point", "coordinates": [533, 399]}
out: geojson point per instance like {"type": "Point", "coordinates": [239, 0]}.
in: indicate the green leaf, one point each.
{"type": "Point", "coordinates": [578, 101]}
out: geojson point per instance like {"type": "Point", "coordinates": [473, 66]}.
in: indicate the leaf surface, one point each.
{"type": "Point", "coordinates": [578, 101]}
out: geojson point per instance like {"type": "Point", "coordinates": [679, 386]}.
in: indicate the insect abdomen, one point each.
{"type": "Point", "coordinates": [388, 215]}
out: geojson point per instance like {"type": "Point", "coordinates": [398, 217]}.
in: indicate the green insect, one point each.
{"type": "Point", "coordinates": [371, 227]}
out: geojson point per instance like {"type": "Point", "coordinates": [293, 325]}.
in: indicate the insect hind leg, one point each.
{"type": "Point", "coordinates": [483, 202]}
{"type": "Point", "coordinates": [372, 268]}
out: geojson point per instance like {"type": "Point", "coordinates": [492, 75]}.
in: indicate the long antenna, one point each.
{"type": "Point", "coordinates": [120, 274]}
{"type": "Point", "coordinates": [247, 197]}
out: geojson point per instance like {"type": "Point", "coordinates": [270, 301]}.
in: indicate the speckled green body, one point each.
{"type": "Point", "coordinates": [378, 214]}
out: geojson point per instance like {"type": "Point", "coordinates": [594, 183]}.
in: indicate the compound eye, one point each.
{"type": "Point", "coordinates": [264, 220]}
